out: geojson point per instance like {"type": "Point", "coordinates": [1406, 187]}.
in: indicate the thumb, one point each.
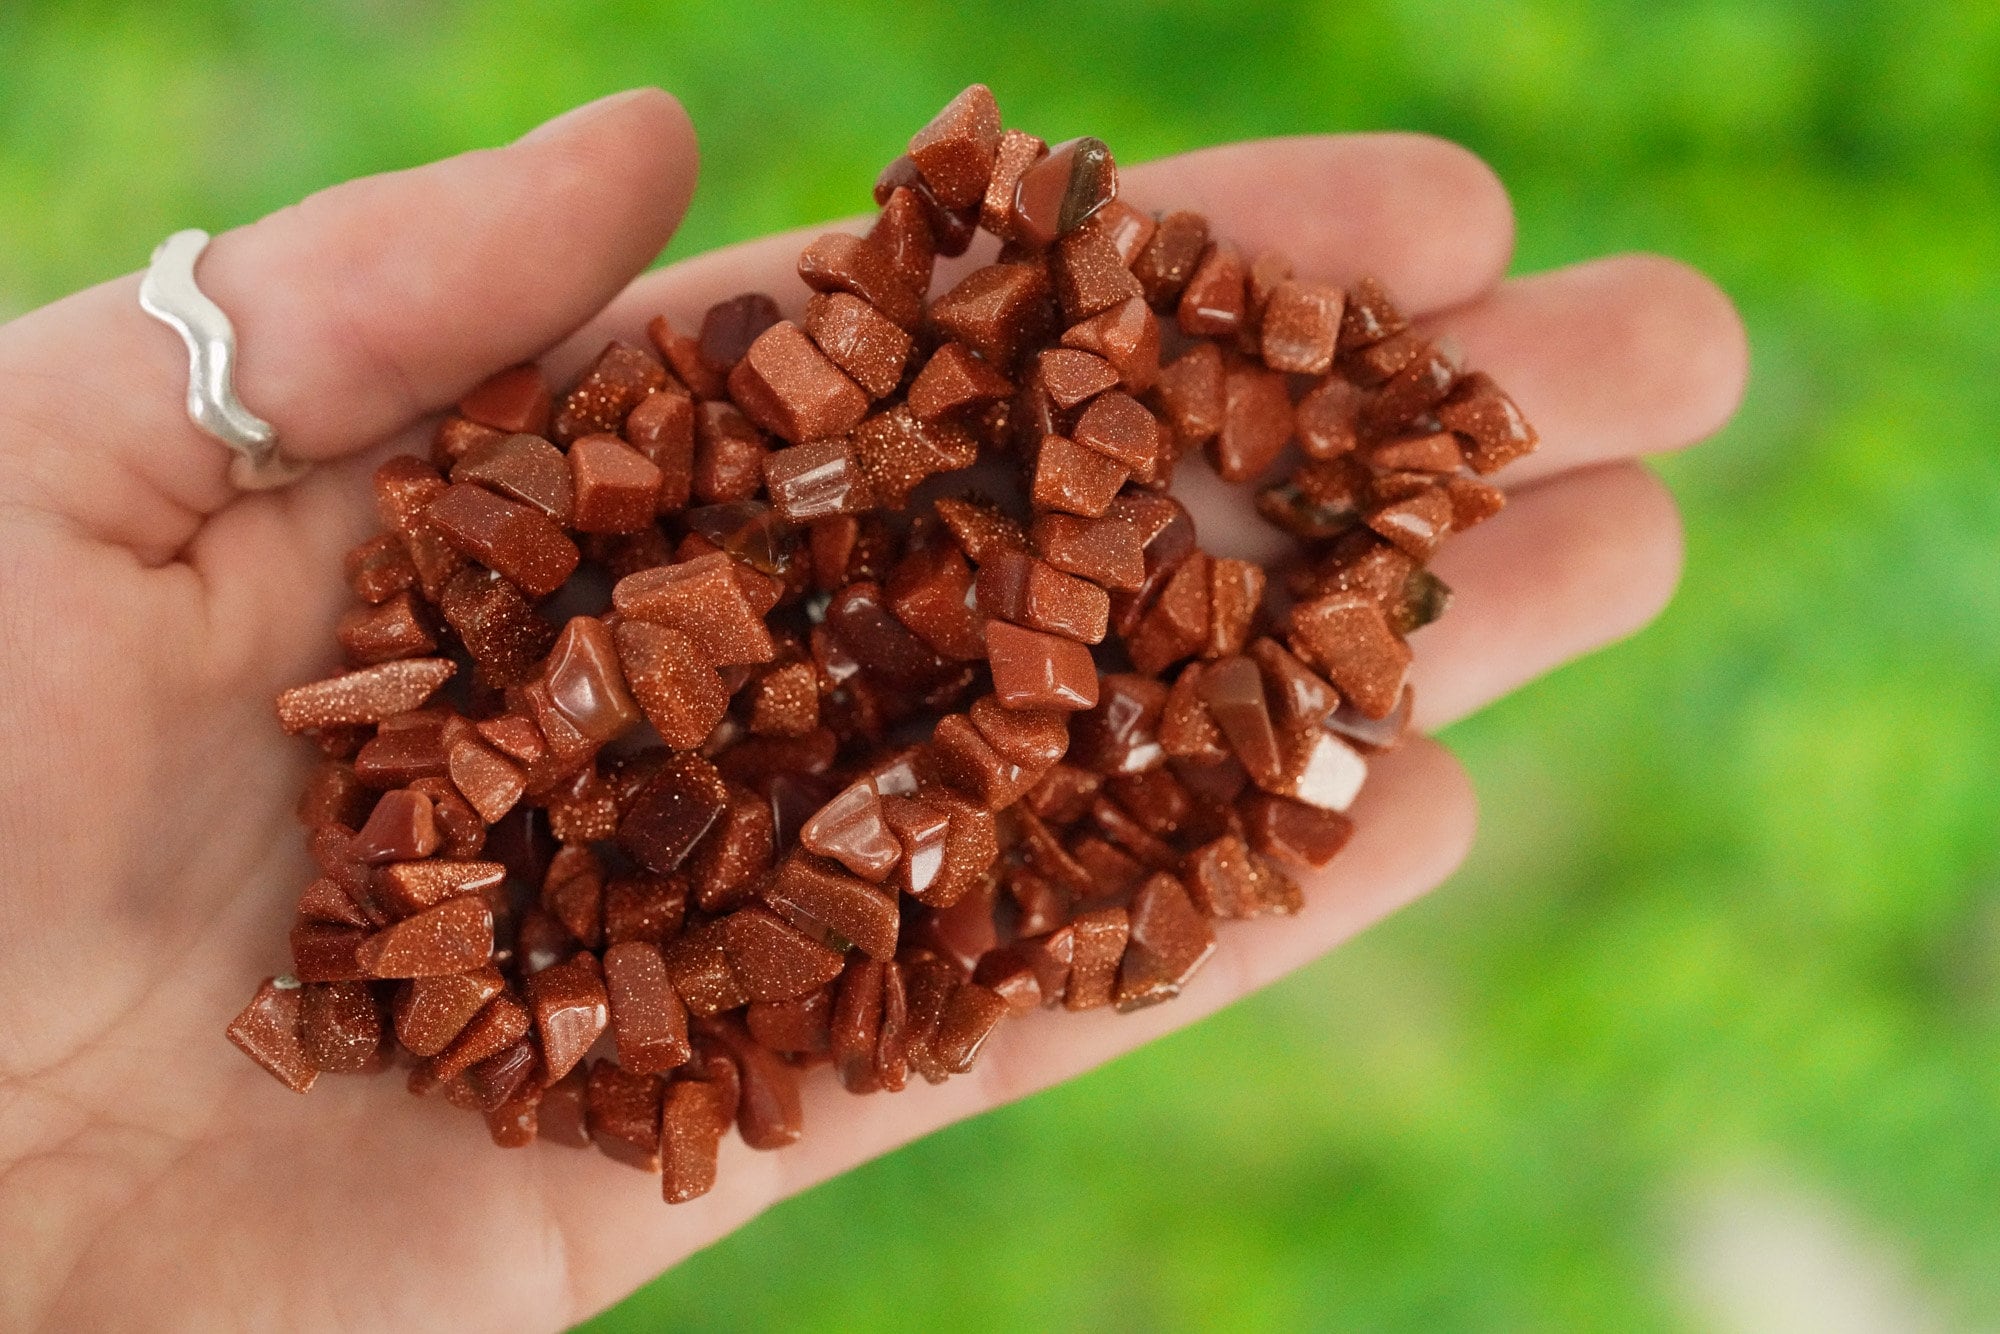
{"type": "Point", "coordinates": [357, 311]}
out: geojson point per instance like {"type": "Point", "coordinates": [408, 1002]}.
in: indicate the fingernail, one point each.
{"type": "Point", "coordinates": [575, 116]}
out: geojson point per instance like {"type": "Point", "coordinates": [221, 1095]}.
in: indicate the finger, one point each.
{"type": "Point", "coordinates": [1615, 358]}
{"type": "Point", "coordinates": [1426, 217]}
{"type": "Point", "coordinates": [1571, 565]}
{"type": "Point", "coordinates": [1414, 825]}
{"type": "Point", "coordinates": [356, 311]}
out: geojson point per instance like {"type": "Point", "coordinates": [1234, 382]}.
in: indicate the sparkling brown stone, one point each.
{"type": "Point", "coordinates": [570, 1011]}
{"type": "Point", "coordinates": [1300, 327]}
{"type": "Point", "coordinates": [1089, 276]}
{"type": "Point", "coordinates": [969, 1018]}
{"type": "Point", "coordinates": [849, 829]}
{"type": "Point", "coordinates": [497, 625]}
{"type": "Point", "coordinates": [855, 1031]}
{"type": "Point", "coordinates": [1472, 501]}
{"type": "Point", "coordinates": [1233, 690]}
{"type": "Point", "coordinates": [996, 310]}
{"type": "Point", "coordinates": [1073, 377]}
{"type": "Point", "coordinates": [455, 437]}
{"type": "Point", "coordinates": [1419, 386]}
{"type": "Point", "coordinates": [817, 481]}
{"type": "Point", "coordinates": [517, 399]}
{"type": "Point", "coordinates": [1118, 425]}
{"type": "Point", "coordinates": [1033, 670]}
{"type": "Point", "coordinates": [1235, 593]}
{"type": "Point", "coordinates": [838, 262]}
{"type": "Point", "coordinates": [1417, 524]}
{"type": "Point", "coordinates": [402, 827]}
{"type": "Point", "coordinates": [267, 1031]}
{"type": "Point", "coordinates": [897, 451]}
{"type": "Point", "coordinates": [768, 1112]}
{"type": "Point", "coordinates": [1192, 394]}
{"type": "Point", "coordinates": [1023, 736]}
{"type": "Point", "coordinates": [1293, 833]}
{"type": "Point", "coordinates": [644, 907]}
{"type": "Point", "coordinates": [1121, 733]}
{"type": "Point", "coordinates": [788, 386]}
{"type": "Point", "coordinates": [683, 356]}
{"type": "Point", "coordinates": [737, 854]}
{"type": "Point", "coordinates": [776, 961]}
{"type": "Point", "coordinates": [860, 340]}
{"type": "Point", "coordinates": [366, 696]}
{"type": "Point", "coordinates": [1368, 316]}
{"type": "Point", "coordinates": [499, 1025]}
{"type": "Point", "coordinates": [560, 1117]}
{"type": "Point", "coordinates": [818, 896]}
{"type": "Point", "coordinates": [394, 629]}
{"type": "Point", "coordinates": [969, 764]}
{"type": "Point", "coordinates": [728, 455]}
{"type": "Point", "coordinates": [796, 1027]}
{"type": "Point", "coordinates": [514, 540]}
{"type": "Point", "coordinates": [617, 382]}
{"type": "Point", "coordinates": [1098, 943]}
{"type": "Point", "coordinates": [1127, 228]}
{"type": "Point", "coordinates": [1105, 551]}
{"type": "Point", "coordinates": [1170, 258]}
{"type": "Point", "coordinates": [1212, 304]}
{"type": "Point", "coordinates": [1127, 337]}
{"type": "Point", "coordinates": [1168, 942]}
{"type": "Point", "coordinates": [1225, 879]}
{"type": "Point", "coordinates": [1493, 428]}
{"type": "Point", "coordinates": [671, 812]}
{"type": "Point", "coordinates": [431, 1011]}
{"type": "Point", "coordinates": [729, 327]}
{"type": "Point", "coordinates": [526, 468]}
{"type": "Point", "coordinates": [1326, 420]}
{"type": "Point", "coordinates": [453, 937]}
{"type": "Point", "coordinates": [903, 231]}
{"type": "Point", "coordinates": [930, 592]}
{"type": "Point", "coordinates": [921, 828]}
{"type": "Point", "coordinates": [1075, 479]}
{"type": "Point", "coordinates": [623, 1116]}
{"type": "Point", "coordinates": [379, 568]}
{"type": "Point", "coordinates": [617, 487]}
{"type": "Point", "coordinates": [702, 599]}
{"type": "Point", "coordinates": [326, 952]}
{"type": "Point", "coordinates": [955, 152]}
{"type": "Point", "coordinates": [1347, 636]}
{"type": "Point", "coordinates": [1032, 593]}
{"type": "Point", "coordinates": [1177, 624]}
{"type": "Point", "coordinates": [698, 965]}
{"type": "Point", "coordinates": [489, 782]}
{"type": "Point", "coordinates": [681, 695]}
{"type": "Point", "coordinates": [1256, 422]}
{"type": "Point", "coordinates": [981, 530]}
{"type": "Point", "coordinates": [1060, 192]}
{"type": "Point", "coordinates": [1017, 151]}
{"type": "Point", "coordinates": [692, 1123]}
{"type": "Point", "coordinates": [784, 701]}
{"type": "Point", "coordinates": [662, 429]}
{"type": "Point", "coordinates": [952, 379]}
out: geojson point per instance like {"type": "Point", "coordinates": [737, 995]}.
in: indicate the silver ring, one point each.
{"type": "Point", "coordinates": [170, 294]}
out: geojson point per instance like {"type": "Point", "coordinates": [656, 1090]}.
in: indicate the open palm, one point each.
{"type": "Point", "coordinates": [148, 1173]}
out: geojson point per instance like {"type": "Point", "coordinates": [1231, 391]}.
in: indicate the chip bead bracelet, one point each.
{"type": "Point", "coordinates": [813, 692]}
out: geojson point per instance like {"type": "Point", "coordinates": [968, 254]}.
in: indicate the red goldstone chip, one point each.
{"type": "Point", "coordinates": [839, 688]}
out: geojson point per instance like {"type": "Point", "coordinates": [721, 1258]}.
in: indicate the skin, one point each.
{"type": "Point", "coordinates": [150, 858]}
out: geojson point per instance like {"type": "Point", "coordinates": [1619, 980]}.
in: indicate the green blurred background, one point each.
{"type": "Point", "coordinates": [1721, 985]}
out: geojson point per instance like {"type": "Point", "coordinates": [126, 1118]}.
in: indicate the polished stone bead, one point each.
{"type": "Point", "coordinates": [267, 1031]}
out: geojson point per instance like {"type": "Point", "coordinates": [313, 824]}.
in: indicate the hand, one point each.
{"type": "Point", "coordinates": [149, 1171]}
